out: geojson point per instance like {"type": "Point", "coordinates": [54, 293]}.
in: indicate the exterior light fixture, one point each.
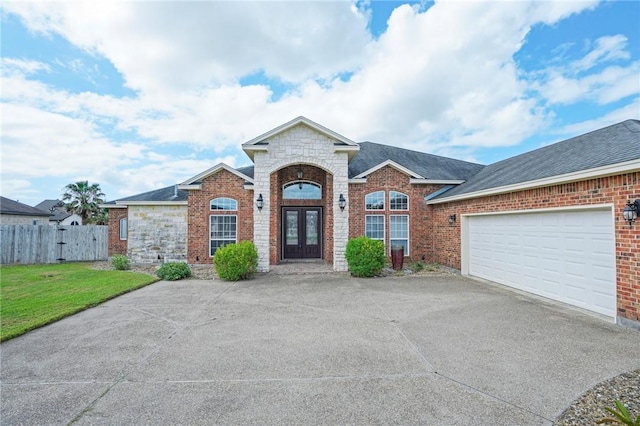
{"type": "Point", "coordinates": [452, 219]}
{"type": "Point", "coordinates": [342, 202]}
{"type": "Point", "coordinates": [631, 211]}
{"type": "Point", "coordinates": [260, 202]}
{"type": "Point", "coordinates": [300, 174]}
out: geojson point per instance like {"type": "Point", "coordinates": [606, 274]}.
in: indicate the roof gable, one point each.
{"type": "Point", "coordinates": [260, 143]}
{"type": "Point", "coordinates": [197, 179]}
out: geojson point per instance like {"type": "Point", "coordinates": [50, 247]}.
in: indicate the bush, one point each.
{"type": "Point", "coordinates": [173, 271]}
{"type": "Point", "coordinates": [120, 262]}
{"type": "Point", "coordinates": [235, 262]}
{"type": "Point", "coordinates": [365, 256]}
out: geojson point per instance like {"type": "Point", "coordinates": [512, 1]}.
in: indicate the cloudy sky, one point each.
{"type": "Point", "coordinates": [140, 95]}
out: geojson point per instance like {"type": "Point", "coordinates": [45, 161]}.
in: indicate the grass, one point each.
{"type": "Point", "coordinates": [35, 295]}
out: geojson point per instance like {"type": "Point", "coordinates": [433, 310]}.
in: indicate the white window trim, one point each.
{"type": "Point", "coordinates": [126, 228]}
{"type": "Point", "coordinates": [384, 201]}
{"type": "Point", "coordinates": [408, 232]}
{"type": "Point", "coordinates": [399, 210]}
{"type": "Point", "coordinates": [223, 210]}
{"type": "Point", "coordinates": [295, 182]}
{"type": "Point", "coordinates": [384, 227]}
{"type": "Point", "coordinates": [221, 239]}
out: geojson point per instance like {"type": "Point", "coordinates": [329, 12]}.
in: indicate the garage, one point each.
{"type": "Point", "coordinates": [564, 255]}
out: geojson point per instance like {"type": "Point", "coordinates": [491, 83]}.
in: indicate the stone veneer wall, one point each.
{"type": "Point", "coordinates": [300, 145]}
{"type": "Point", "coordinates": [157, 234]}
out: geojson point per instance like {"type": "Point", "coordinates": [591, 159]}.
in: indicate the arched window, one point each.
{"type": "Point", "coordinates": [374, 201]}
{"type": "Point", "coordinates": [398, 201]}
{"type": "Point", "coordinates": [123, 228]}
{"type": "Point", "coordinates": [75, 223]}
{"type": "Point", "coordinates": [223, 203]}
{"type": "Point", "coordinates": [302, 191]}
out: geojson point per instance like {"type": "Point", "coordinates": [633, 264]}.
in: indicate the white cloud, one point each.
{"type": "Point", "coordinates": [181, 46]}
{"type": "Point", "coordinates": [571, 83]}
{"type": "Point", "coordinates": [630, 110]}
{"type": "Point", "coordinates": [17, 66]}
{"type": "Point", "coordinates": [440, 80]}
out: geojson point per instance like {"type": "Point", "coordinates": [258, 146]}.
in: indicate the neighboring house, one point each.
{"type": "Point", "coordinates": [60, 215]}
{"type": "Point", "coordinates": [16, 213]}
{"type": "Point", "coordinates": [548, 222]}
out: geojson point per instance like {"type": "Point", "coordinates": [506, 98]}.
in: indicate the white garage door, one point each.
{"type": "Point", "coordinates": [567, 256]}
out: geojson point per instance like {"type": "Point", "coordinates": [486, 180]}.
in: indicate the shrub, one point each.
{"type": "Point", "coordinates": [235, 262]}
{"type": "Point", "coordinates": [365, 256]}
{"type": "Point", "coordinates": [172, 271]}
{"type": "Point", "coordinates": [120, 262]}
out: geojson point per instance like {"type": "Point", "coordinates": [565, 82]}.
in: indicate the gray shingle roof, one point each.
{"type": "Point", "coordinates": [56, 207]}
{"type": "Point", "coordinates": [247, 170]}
{"type": "Point", "coordinates": [426, 165]}
{"type": "Point", "coordinates": [614, 144]}
{"type": "Point", "coordinates": [8, 206]}
{"type": "Point", "coordinates": [169, 193]}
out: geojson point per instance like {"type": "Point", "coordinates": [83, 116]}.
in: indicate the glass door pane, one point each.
{"type": "Point", "coordinates": [312, 227]}
{"type": "Point", "coordinates": [292, 228]}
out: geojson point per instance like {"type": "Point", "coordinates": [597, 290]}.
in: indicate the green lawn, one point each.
{"type": "Point", "coordinates": [35, 295]}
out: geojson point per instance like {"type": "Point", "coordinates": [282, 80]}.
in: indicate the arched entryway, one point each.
{"type": "Point", "coordinates": [303, 229]}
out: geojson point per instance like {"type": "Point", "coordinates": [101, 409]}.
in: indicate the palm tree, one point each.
{"type": "Point", "coordinates": [83, 199]}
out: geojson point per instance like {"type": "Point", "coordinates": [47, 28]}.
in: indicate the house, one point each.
{"type": "Point", "coordinates": [60, 215]}
{"type": "Point", "coordinates": [17, 213]}
{"type": "Point", "coordinates": [548, 221]}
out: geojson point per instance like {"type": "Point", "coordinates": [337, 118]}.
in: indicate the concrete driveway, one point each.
{"type": "Point", "coordinates": [313, 349]}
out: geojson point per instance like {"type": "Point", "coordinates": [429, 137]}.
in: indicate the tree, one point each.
{"type": "Point", "coordinates": [83, 199]}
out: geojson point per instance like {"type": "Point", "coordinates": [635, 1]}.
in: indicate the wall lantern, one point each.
{"type": "Point", "coordinates": [300, 174]}
{"type": "Point", "coordinates": [452, 219]}
{"type": "Point", "coordinates": [342, 202]}
{"type": "Point", "coordinates": [630, 212]}
{"type": "Point", "coordinates": [260, 202]}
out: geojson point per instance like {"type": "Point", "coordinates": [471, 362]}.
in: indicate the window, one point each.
{"type": "Point", "coordinates": [374, 201]}
{"type": "Point", "coordinates": [224, 230]}
{"type": "Point", "coordinates": [398, 201]}
{"type": "Point", "coordinates": [224, 204]}
{"type": "Point", "coordinates": [302, 191]}
{"type": "Point", "coordinates": [123, 228]}
{"type": "Point", "coordinates": [399, 232]}
{"type": "Point", "coordinates": [75, 223]}
{"type": "Point", "coordinates": [374, 227]}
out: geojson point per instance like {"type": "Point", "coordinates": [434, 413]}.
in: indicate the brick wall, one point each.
{"type": "Point", "coordinates": [310, 174]}
{"type": "Point", "coordinates": [221, 184]}
{"type": "Point", "coordinates": [614, 190]}
{"type": "Point", "coordinates": [390, 179]}
{"type": "Point", "coordinates": [116, 245]}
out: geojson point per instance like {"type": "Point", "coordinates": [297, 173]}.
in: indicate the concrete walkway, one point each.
{"type": "Point", "coordinates": [312, 349]}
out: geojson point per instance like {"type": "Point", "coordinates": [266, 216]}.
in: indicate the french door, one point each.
{"type": "Point", "coordinates": [302, 232]}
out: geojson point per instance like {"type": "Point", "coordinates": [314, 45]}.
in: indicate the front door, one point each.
{"type": "Point", "coordinates": [302, 236]}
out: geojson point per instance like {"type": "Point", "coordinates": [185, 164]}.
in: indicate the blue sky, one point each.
{"type": "Point", "coordinates": [140, 95]}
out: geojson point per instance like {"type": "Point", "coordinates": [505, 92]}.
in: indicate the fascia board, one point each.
{"type": "Point", "coordinates": [213, 170]}
{"type": "Point", "coordinates": [436, 181]}
{"type": "Point", "coordinates": [392, 164]}
{"type": "Point", "coordinates": [154, 203]}
{"type": "Point", "coordinates": [614, 169]}
{"type": "Point", "coordinates": [190, 187]}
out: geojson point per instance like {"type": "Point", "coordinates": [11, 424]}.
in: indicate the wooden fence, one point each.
{"type": "Point", "coordinates": [52, 244]}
